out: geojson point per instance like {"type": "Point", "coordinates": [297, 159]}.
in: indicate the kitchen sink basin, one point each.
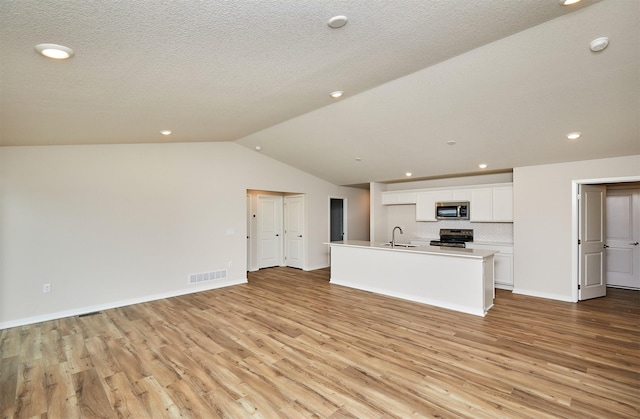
{"type": "Point", "coordinates": [400, 245]}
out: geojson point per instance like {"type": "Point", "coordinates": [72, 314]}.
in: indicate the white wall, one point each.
{"type": "Point", "coordinates": [544, 227]}
{"type": "Point", "coordinates": [378, 218]}
{"type": "Point", "coordinates": [115, 224]}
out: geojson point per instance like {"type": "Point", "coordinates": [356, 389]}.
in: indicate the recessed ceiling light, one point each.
{"type": "Point", "coordinates": [451, 142]}
{"type": "Point", "coordinates": [358, 158]}
{"type": "Point", "coordinates": [258, 148]}
{"type": "Point", "coordinates": [57, 52]}
{"type": "Point", "coordinates": [336, 94]}
{"type": "Point", "coordinates": [337, 22]}
{"type": "Point", "coordinates": [165, 132]}
{"type": "Point", "coordinates": [483, 165]}
{"type": "Point", "coordinates": [408, 174]}
{"type": "Point", "coordinates": [574, 135]}
{"type": "Point", "coordinates": [599, 44]}
{"type": "Point", "coordinates": [568, 2]}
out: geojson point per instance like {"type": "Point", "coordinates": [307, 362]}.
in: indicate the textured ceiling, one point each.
{"type": "Point", "coordinates": [259, 72]}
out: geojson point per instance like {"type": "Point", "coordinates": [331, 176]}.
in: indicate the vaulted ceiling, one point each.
{"type": "Point", "coordinates": [504, 80]}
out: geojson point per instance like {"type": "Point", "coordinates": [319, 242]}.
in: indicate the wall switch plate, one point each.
{"type": "Point", "coordinates": [46, 288]}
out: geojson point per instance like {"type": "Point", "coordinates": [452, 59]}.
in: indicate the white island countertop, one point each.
{"type": "Point", "coordinates": [453, 278]}
{"type": "Point", "coordinates": [433, 250]}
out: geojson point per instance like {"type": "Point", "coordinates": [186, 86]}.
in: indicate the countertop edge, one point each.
{"type": "Point", "coordinates": [425, 250]}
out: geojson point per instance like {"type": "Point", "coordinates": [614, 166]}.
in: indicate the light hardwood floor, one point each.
{"type": "Point", "coordinates": [290, 344]}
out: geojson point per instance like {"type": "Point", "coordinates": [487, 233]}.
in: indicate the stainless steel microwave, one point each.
{"type": "Point", "coordinates": [452, 210]}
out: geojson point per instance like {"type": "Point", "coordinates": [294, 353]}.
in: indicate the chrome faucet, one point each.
{"type": "Point", "coordinates": [393, 236]}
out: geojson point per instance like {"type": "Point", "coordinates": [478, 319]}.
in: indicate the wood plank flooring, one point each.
{"type": "Point", "coordinates": [290, 344]}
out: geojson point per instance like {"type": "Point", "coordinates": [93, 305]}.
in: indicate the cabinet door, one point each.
{"type": "Point", "coordinates": [444, 196]}
{"type": "Point", "coordinates": [503, 204]}
{"type": "Point", "coordinates": [461, 195]}
{"type": "Point", "coordinates": [389, 198]}
{"type": "Point", "coordinates": [503, 268]}
{"type": "Point", "coordinates": [426, 206]}
{"type": "Point", "coordinates": [398, 198]}
{"type": "Point", "coordinates": [481, 204]}
{"type": "Point", "coordinates": [407, 198]}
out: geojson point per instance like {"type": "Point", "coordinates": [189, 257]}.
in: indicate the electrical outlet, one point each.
{"type": "Point", "coordinates": [230, 263]}
{"type": "Point", "coordinates": [46, 288]}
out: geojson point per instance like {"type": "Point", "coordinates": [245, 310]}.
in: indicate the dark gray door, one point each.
{"type": "Point", "coordinates": [337, 219]}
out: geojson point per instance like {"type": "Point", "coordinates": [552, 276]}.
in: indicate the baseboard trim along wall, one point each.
{"type": "Point", "coordinates": [316, 267]}
{"type": "Point", "coordinates": [116, 304]}
{"type": "Point", "coordinates": [548, 296]}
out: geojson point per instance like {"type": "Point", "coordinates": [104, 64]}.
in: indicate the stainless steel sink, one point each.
{"type": "Point", "coordinates": [400, 245]}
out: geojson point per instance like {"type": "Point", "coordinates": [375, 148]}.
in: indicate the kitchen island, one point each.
{"type": "Point", "coordinates": [452, 278]}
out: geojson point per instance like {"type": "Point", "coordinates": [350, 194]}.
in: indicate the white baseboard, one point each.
{"type": "Point", "coordinates": [313, 268]}
{"type": "Point", "coordinates": [122, 303]}
{"type": "Point", "coordinates": [546, 295]}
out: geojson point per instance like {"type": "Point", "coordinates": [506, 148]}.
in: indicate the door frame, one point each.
{"type": "Point", "coordinates": [575, 225]}
{"type": "Point", "coordinates": [249, 215]}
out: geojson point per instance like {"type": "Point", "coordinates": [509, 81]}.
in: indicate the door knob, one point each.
{"type": "Point", "coordinates": [634, 244]}
{"type": "Point", "coordinates": [605, 246]}
{"type": "Point", "coordinates": [300, 235]}
{"type": "Point", "coordinates": [277, 235]}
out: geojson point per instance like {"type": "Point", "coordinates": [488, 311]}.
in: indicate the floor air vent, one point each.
{"type": "Point", "coordinates": [207, 276]}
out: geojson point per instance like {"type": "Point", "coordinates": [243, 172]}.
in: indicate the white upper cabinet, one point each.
{"type": "Point", "coordinates": [398, 197]}
{"type": "Point", "coordinates": [481, 205]}
{"type": "Point", "coordinates": [488, 203]}
{"type": "Point", "coordinates": [444, 196]}
{"type": "Point", "coordinates": [503, 204]}
{"type": "Point", "coordinates": [461, 195]}
{"type": "Point", "coordinates": [492, 204]}
{"type": "Point", "coordinates": [426, 206]}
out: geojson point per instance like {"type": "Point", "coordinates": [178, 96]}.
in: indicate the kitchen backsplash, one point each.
{"type": "Point", "coordinates": [482, 232]}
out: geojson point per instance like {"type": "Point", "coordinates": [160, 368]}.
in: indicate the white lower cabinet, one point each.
{"type": "Point", "coordinates": [502, 263]}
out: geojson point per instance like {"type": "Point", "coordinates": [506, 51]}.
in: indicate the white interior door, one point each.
{"type": "Point", "coordinates": [622, 236]}
{"type": "Point", "coordinates": [269, 216]}
{"type": "Point", "coordinates": [591, 247]}
{"type": "Point", "coordinates": [294, 231]}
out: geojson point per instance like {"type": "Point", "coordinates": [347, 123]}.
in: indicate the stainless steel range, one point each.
{"type": "Point", "coordinates": [450, 237]}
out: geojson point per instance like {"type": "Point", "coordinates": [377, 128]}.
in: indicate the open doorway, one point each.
{"type": "Point", "coordinates": [590, 264]}
{"type": "Point", "coordinates": [337, 219]}
{"type": "Point", "coordinates": [276, 222]}
{"type": "Point", "coordinates": [622, 221]}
